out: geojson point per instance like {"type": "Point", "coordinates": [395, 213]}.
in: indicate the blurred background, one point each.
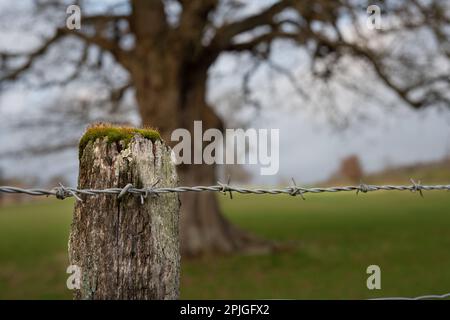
{"type": "Point", "coordinates": [359, 95]}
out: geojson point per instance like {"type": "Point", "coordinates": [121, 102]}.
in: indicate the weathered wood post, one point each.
{"type": "Point", "coordinates": [123, 248]}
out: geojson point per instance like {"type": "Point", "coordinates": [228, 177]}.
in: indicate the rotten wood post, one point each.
{"type": "Point", "coordinates": [125, 249]}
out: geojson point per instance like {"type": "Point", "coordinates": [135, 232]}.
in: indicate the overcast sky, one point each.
{"type": "Point", "coordinates": [310, 149]}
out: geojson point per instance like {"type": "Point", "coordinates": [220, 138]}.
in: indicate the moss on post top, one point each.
{"type": "Point", "coordinates": [115, 134]}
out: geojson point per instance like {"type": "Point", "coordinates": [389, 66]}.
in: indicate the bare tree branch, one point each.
{"type": "Point", "coordinates": [122, 56]}
{"type": "Point", "coordinates": [226, 33]}
{"type": "Point", "coordinates": [104, 19]}
{"type": "Point", "coordinates": [30, 58]}
{"type": "Point", "coordinates": [266, 38]}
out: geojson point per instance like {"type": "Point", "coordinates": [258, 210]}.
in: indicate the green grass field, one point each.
{"type": "Point", "coordinates": [334, 237]}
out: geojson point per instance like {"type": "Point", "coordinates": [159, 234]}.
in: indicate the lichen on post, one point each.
{"type": "Point", "coordinates": [126, 249]}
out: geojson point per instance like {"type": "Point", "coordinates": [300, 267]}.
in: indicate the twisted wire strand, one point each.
{"type": "Point", "coordinates": [426, 297]}
{"type": "Point", "coordinates": [62, 192]}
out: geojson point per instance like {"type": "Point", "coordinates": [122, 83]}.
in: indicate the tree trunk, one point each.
{"type": "Point", "coordinates": [126, 249]}
{"type": "Point", "coordinates": [204, 229]}
{"type": "Point", "coordinates": [171, 97]}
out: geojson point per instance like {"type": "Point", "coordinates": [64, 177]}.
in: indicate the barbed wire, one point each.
{"type": "Point", "coordinates": [62, 192]}
{"type": "Point", "coordinates": [427, 297]}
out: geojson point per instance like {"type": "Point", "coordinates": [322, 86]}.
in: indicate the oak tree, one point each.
{"type": "Point", "coordinates": [166, 47]}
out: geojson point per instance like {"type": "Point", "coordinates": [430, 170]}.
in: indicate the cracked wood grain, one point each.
{"type": "Point", "coordinates": [126, 249]}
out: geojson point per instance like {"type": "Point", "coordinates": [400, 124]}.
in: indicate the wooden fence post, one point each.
{"type": "Point", "coordinates": [125, 249]}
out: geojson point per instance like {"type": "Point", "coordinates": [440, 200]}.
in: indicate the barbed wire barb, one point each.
{"type": "Point", "coordinates": [364, 188]}
{"type": "Point", "coordinates": [226, 187]}
{"type": "Point", "coordinates": [417, 187]}
{"type": "Point", "coordinates": [62, 193]}
{"type": "Point", "coordinates": [296, 190]}
{"type": "Point", "coordinates": [125, 190]}
{"type": "Point", "coordinates": [150, 191]}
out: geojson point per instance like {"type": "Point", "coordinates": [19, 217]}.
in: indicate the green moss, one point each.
{"type": "Point", "coordinates": [115, 135]}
